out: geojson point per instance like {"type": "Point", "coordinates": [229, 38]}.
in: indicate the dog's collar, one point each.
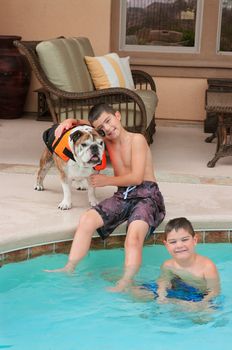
{"type": "Point", "coordinates": [102, 165]}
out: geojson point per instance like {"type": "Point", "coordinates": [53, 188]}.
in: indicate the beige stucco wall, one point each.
{"type": "Point", "coordinates": [181, 98]}
{"type": "Point", "coordinates": [43, 19]}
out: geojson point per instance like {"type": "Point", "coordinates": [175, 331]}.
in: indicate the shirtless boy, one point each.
{"type": "Point", "coordinates": [137, 200]}
{"type": "Point", "coordinates": [187, 276]}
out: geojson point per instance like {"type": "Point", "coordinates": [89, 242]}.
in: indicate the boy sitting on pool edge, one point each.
{"type": "Point", "coordinates": [137, 200]}
{"type": "Point", "coordinates": [187, 276]}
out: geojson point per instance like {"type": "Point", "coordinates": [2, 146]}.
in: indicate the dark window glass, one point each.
{"type": "Point", "coordinates": [226, 26]}
{"type": "Point", "coordinates": [161, 22]}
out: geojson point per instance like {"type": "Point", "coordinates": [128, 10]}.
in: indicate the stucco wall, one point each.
{"type": "Point", "coordinates": [44, 19]}
{"type": "Point", "coordinates": [181, 98]}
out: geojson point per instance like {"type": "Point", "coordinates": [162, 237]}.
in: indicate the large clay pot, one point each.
{"type": "Point", "coordinates": [14, 78]}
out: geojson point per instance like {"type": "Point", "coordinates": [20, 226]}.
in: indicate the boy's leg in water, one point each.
{"type": "Point", "coordinates": [136, 233]}
{"type": "Point", "coordinates": [89, 222]}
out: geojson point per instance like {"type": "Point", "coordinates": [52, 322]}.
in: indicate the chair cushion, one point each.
{"type": "Point", "coordinates": [63, 63]}
{"type": "Point", "coordinates": [110, 71]}
{"type": "Point", "coordinates": [150, 100]}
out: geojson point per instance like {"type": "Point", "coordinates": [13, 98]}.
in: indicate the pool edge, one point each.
{"type": "Point", "coordinates": [114, 241]}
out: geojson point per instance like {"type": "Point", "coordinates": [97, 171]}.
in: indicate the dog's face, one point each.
{"type": "Point", "coordinates": [86, 145]}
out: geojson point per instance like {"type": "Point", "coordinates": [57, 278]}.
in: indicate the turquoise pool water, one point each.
{"type": "Point", "coordinates": [41, 311]}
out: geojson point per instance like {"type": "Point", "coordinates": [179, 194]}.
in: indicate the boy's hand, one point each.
{"type": "Point", "coordinates": [68, 124]}
{"type": "Point", "coordinates": [162, 300]}
{"type": "Point", "coordinates": [65, 125]}
{"type": "Point", "coordinates": [98, 180]}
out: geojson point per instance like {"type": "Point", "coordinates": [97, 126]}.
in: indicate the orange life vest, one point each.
{"type": "Point", "coordinates": [61, 146]}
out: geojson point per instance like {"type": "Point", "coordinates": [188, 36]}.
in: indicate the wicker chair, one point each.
{"type": "Point", "coordinates": [137, 106]}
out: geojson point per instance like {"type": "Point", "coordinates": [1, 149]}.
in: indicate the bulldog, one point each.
{"type": "Point", "coordinates": [77, 153]}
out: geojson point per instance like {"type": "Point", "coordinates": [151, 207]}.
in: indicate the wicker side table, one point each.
{"type": "Point", "coordinates": [221, 104]}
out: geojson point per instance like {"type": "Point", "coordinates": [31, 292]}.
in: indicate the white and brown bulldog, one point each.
{"type": "Point", "coordinates": [77, 153]}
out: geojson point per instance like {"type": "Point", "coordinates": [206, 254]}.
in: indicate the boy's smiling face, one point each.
{"type": "Point", "coordinates": [180, 244]}
{"type": "Point", "coordinates": [109, 124]}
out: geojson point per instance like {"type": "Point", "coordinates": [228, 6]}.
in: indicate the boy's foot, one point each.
{"type": "Point", "coordinates": [121, 286]}
{"type": "Point", "coordinates": [68, 268]}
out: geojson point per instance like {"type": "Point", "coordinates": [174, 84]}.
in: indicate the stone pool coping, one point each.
{"type": "Point", "coordinates": [114, 241]}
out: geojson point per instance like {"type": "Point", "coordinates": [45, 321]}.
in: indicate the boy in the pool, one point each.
{"type": "Point", "coordinates": [187, 276]}
{"type": "Point", "coordinates": [137, 200]}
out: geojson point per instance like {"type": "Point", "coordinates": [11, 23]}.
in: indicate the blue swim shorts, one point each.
{"type": "Point", "coordinates": [179, 290]}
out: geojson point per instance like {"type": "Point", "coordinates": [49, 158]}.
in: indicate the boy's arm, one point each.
{"type": "Point", "coordinates": [164, 282]}
{"type": "Point", "coordinates": [135, 176]}
{"type": "Point", "coordinates": [213, 289]}
{"type": "Point", "coordinates": [212, 280]}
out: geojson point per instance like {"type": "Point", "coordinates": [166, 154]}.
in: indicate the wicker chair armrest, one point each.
{"type": "Point", "coordinates": [110, 96]}
{"type": "Point", "coordinates": [28, 49]}
{"type": "Point", "coordinates": [142, 78]}
{"type": "Point", "coordinates": [119, 93]}
{"type": "Point", "coordinates": [114, 95]}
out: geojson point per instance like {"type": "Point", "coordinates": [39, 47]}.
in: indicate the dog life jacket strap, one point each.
{"type": "Point", "coordinates": [61, 146]}
{"type": "Point", "coordinates": [52, 143]}
{"type": "Point", "coordinates": [102, 165]}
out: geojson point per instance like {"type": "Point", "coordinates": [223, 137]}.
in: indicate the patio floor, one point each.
{"type": "Point", "coordinates": [28, 217]}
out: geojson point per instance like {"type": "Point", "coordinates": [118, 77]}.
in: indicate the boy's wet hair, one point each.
{"type": "Point", "coordinates": [97, 110]}
{"type": "Point", "coordinates": [176, 224]}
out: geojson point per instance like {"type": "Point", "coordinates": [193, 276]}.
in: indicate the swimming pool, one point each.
{"type": "Point", "coordinates": [42, 311]}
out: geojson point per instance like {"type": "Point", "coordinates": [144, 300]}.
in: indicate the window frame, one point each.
{"type": "Point", "coordinates": [206, 63]}
{"type": "Point", "coordinates": [219, 31]}
{"type": "Point", "coordinates": [150, 48]}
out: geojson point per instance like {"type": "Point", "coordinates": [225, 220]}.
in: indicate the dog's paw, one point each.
{"type": "Point", "coordinates": [65, 205]}
{"type": "Point", "coordinates": [38, 187]}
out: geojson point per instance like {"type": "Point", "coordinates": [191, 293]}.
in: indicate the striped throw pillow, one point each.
{"type": "Point", "coordinates": [110, 71]}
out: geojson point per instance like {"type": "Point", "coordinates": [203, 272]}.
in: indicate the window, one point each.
{"type": "Point", "coordinates": [160, 25]}
{"type": "Point", "coordinates": [225, 20]}
{"type": "Point", "coordinates": [174, 38]}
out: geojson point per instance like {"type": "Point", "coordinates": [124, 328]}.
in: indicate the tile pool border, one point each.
{"type": "Point", "coordinates": [115, 241]}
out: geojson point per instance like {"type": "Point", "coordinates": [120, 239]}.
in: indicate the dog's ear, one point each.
{"type": "Point", "coordinates": [76, 135]}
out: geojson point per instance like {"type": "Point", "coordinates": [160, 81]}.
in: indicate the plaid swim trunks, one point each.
{"type": "Point", "coordinates": [143, 202]}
